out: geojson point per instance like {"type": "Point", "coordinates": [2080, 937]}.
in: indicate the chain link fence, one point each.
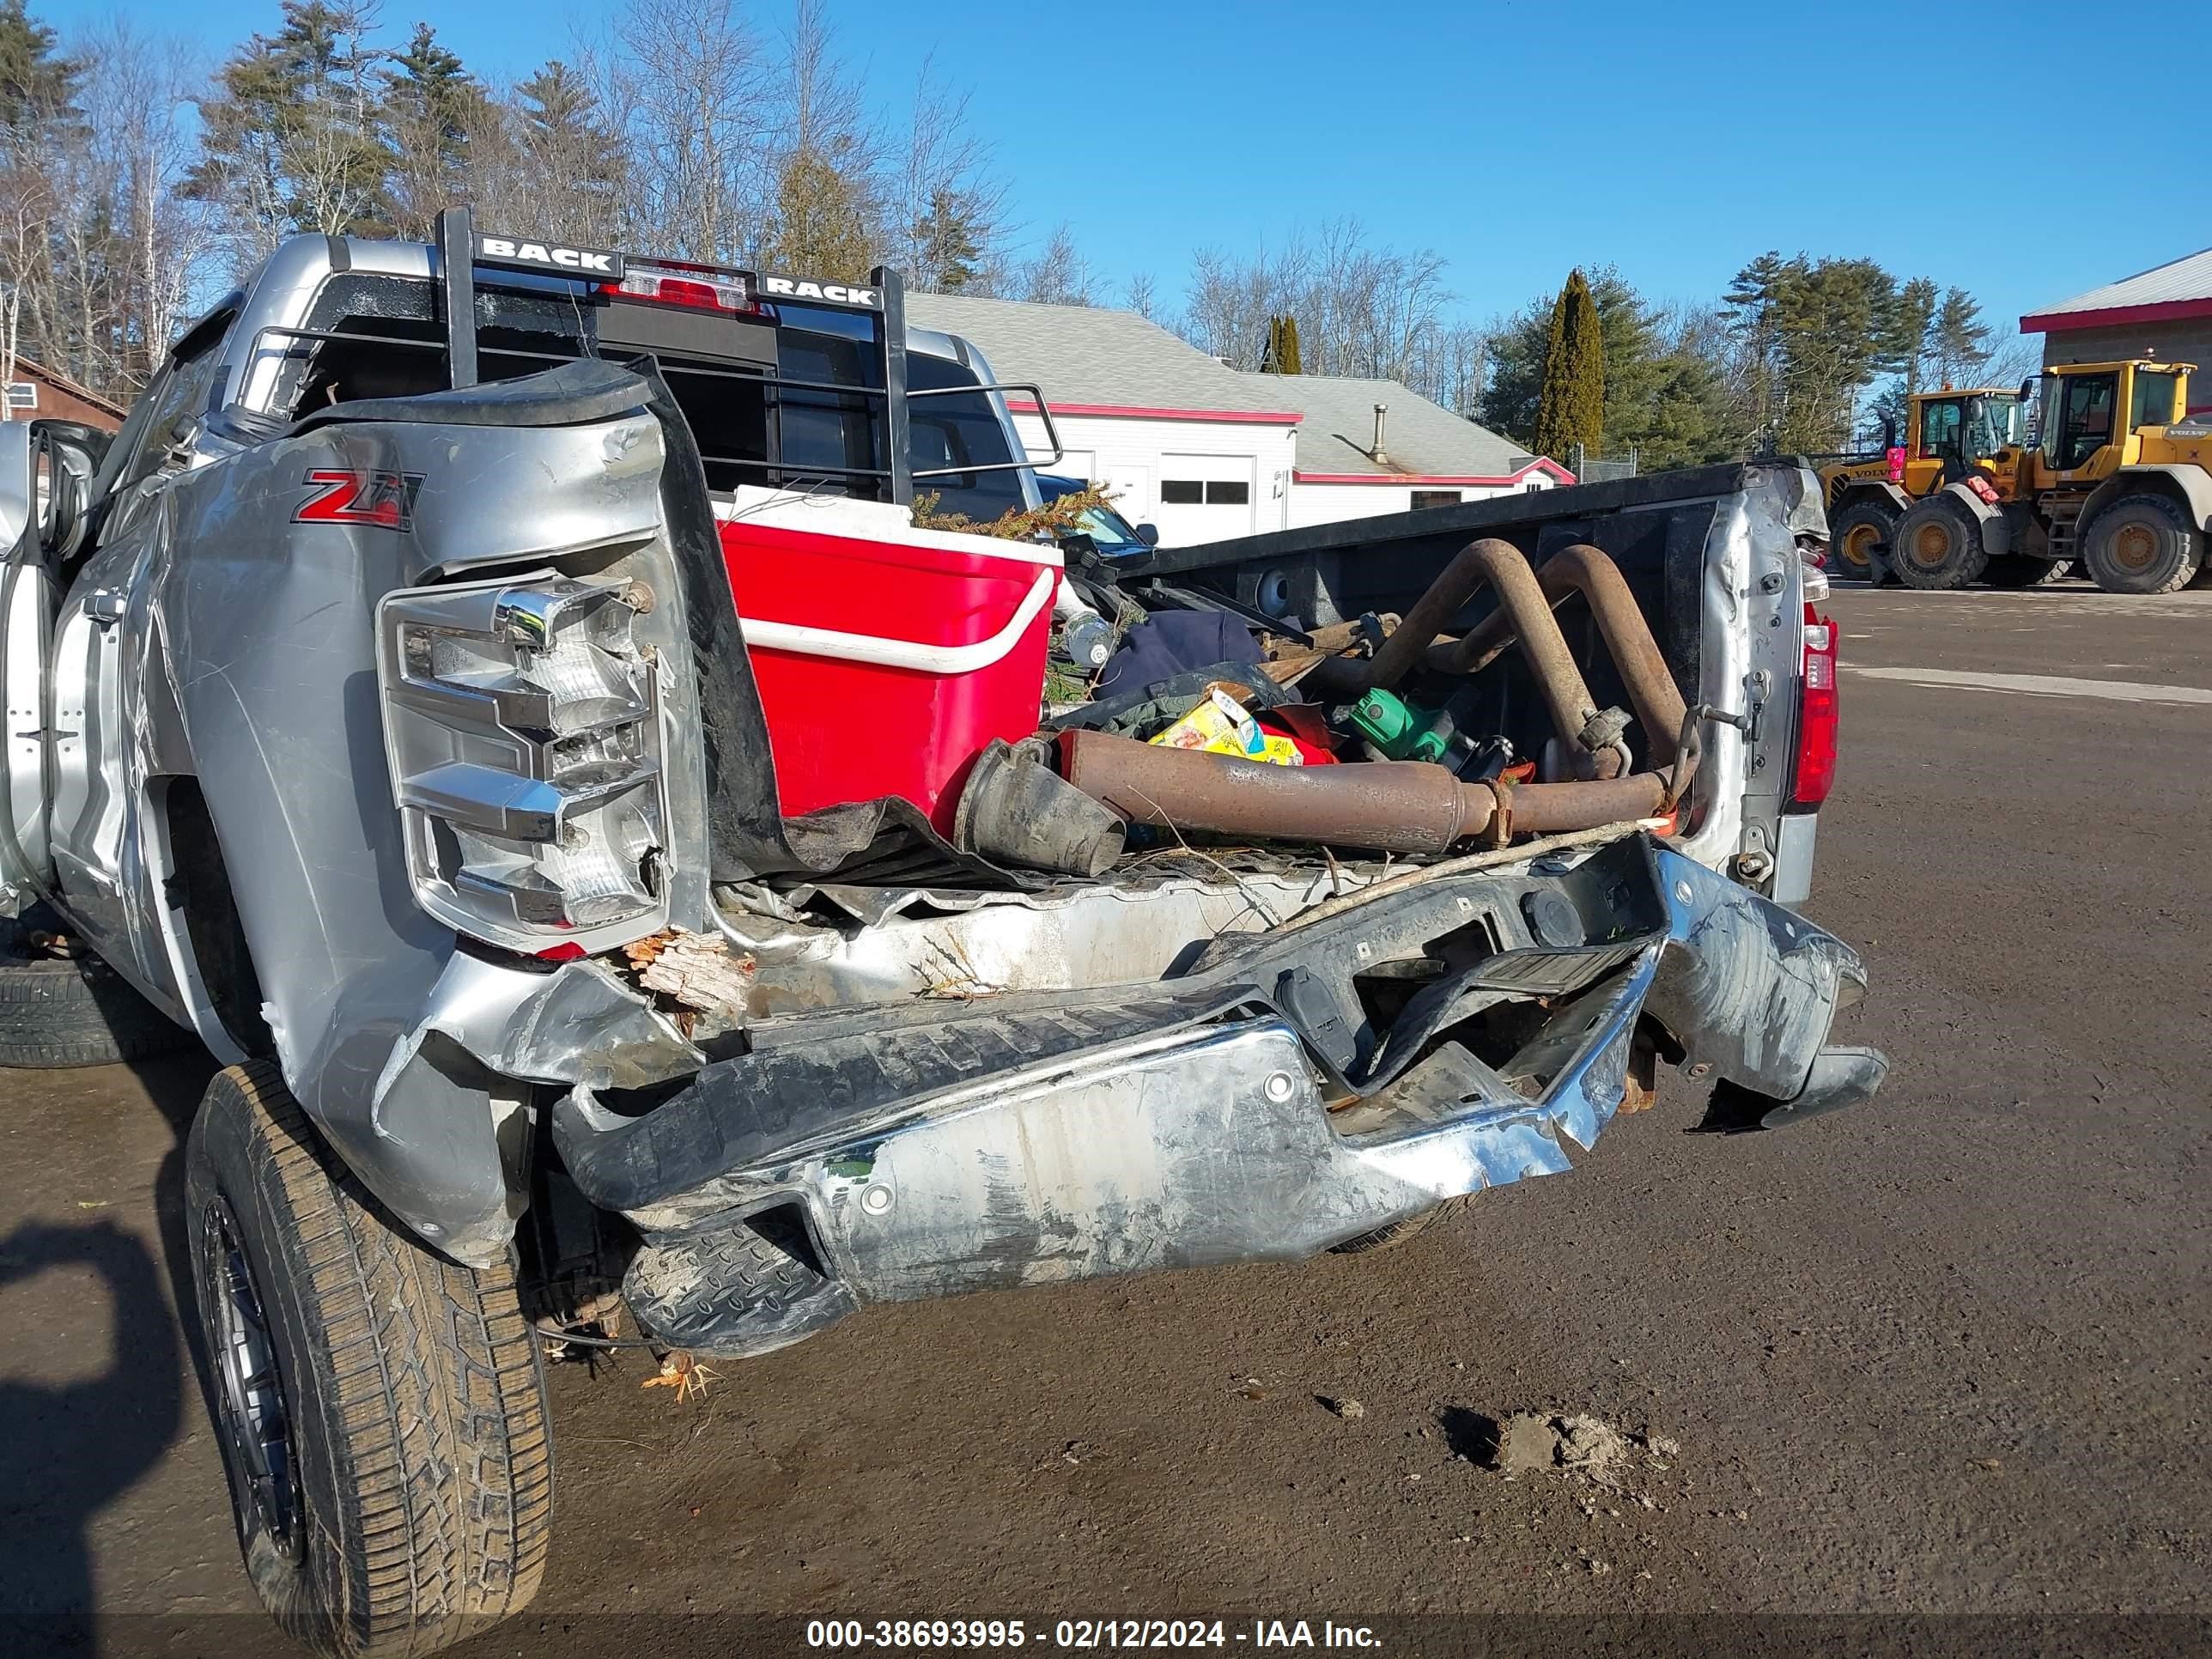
{"type": "Point", "coordinates": [1596, 466]}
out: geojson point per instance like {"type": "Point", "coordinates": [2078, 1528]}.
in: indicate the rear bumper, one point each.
{"type": "Point", "coordinates": [986, 1148]}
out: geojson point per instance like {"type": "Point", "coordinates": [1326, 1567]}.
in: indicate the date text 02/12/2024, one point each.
{"type": "Point", "coordinates": [1088, 1633]}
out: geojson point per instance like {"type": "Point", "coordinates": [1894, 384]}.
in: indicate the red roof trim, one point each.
{"type": "Point", "coordinates": [1135, 412]}
{"type": "Point", "coordinates": [1424, 480]}
{"type": "Point", "coordinates": [2164, 311]}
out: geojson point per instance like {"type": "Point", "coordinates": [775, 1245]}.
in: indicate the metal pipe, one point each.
{"type": "Point", "coordinates": [1585, 570]}
{"type": "Point", "coordinates": [1499, 565]}
{"type": "Point", "coordinates": [1392, 806]}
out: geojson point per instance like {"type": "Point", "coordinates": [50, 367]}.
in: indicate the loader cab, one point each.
{"type": "Point", "coordinates": [2090, 407]}
{"type": "Point", "coordinates": [1964, 427]}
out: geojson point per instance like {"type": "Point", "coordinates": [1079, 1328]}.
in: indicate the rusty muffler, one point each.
{"type": "Point", "coordinates": [1584, 569]}
{"type": "Point", "coordinates": [1386, 806]}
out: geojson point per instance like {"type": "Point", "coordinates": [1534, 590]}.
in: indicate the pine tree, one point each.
{"type": "Point", "coordinates": [432, 108]}
{"type": "Point", "coordinates": [819, 227]}
{"type": "Point", "coordinates": [1960, 339]}
{"type": "Point", "coordinates": [1908, 343]}
{"type": "Point", "coordinates": [1752, 300]}
{"type": "Point", "coordinates": [292, 137]}
{"type": "Point", "coordinates": [1571, 410]}
{"type": "Point", "coordinates": [576, 163]}
{"type": "Point", "coordinates": [950, 244]}
{"type": "Point", "coordinates": [37, 85]}
{"type": "Point", "coordinates": [1282, 353]}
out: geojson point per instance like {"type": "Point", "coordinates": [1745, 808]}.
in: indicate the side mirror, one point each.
{"type": "Point", "coordinates": [2028, 388]}
{"type": "Point", "coordinates": [1888, 433]}
{"type": "Point", "coordinates": [1149, 534]}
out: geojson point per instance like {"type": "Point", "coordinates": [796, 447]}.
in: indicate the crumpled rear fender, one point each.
{"type": "Point", "coordinates": [266, 625]}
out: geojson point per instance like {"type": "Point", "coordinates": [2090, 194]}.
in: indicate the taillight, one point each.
{"type": "Point", "coordinates": [1817, 714]}
{"type": "Point", "coordinates": [522, 727]}
{"type": "Point", "coordinates": [703, 287]}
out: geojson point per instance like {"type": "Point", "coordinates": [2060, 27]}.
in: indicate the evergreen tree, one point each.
{"type": "Point", "coordinates": [1914, 314]}
{"type": "Point", "coordinates": [432, 108]}
{"type": "Point", "coordinates": [1282, 354]}
{"type": "Point", "coordinates": [1960, 339]}
{"type": "Point", "coordinates": [819, 227]}
{"type": "Point", "coordinates": [1752, 301]}
{"type": "Point", "coordinates": [575, 163]}
{"type": "Point", "coordinates": [292, 137]}
{"type": "Point", "coordinates": [37, 84]}
{"type": "Point", "coordinates": [1571, 410]}
{"type": "Point", "coordinates": [950, 243]}
{"type": "Point", "coordinates": [1516, 387]}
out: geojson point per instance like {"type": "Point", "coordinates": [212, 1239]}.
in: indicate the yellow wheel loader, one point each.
{"type": "Point", "coordinates": [1948, 435]}
{"type": "Point", "coordinates": [2117, 479]}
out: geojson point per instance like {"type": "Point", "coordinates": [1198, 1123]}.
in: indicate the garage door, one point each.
{"type": "Point", "coordinates": [1205, 498]}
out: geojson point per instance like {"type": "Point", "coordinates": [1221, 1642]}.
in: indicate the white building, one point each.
{"type": "Point", "coordinates": [1371, 446]}
{"type": "Point", "coordinates": [1207, 453]}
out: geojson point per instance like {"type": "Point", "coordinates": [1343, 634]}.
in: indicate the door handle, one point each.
{"type": "Point", "coordinates": [106, 606]}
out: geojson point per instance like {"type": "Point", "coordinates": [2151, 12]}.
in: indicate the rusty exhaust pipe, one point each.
{"type": "Point", "coordinates": [1584, 569]}
{"type": "Point", "coordinates": [1387, 807]}
{"type": "Point", "coordinates": [1499, 565]}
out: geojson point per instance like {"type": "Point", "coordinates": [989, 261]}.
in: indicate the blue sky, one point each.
{"type": "Point", "coordinates": [1516, 138]}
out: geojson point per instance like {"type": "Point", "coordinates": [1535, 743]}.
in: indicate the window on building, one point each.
{"type": "Point", "coordinates": [1181, 492]}
{"type": "Point", "coordinates": [22, 394]}
{"type": "Point", "coordinates": [1530, 489]}
{"type": "Point", "coordinates": [1435, 498]}
{"type": "Point", "coordinates": [1225, 492]}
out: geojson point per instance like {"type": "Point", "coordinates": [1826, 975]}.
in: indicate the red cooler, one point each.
{"type": "Point", "coordinates": [887, 658]}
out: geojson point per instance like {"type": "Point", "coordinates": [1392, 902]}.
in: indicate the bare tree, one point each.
{"type": "Point", "coordinates": [685, 83]}
{"type": "Point", "coordinates": [946, 206]}
{"type": "Point", "coordinates": [137, 98]}
{"type": "Point", "coordinates": [1059, 276]}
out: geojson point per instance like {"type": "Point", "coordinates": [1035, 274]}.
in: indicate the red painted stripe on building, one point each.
{"type": "Point", "coordinates": [2165, 311]}
{"type": "Point", "coordinates": [1133, 412]}
{"type": "Point", "coordinates": [1423, 480]}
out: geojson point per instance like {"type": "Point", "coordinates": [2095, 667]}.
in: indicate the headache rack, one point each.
{"type": "Point", "coordinates": [880, 395]}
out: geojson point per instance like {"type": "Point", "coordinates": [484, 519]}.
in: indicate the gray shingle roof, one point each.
{"type": "Point", "coordinates": [1420, 438]}
{"type": "Point", "coordinates": [2186, 278]}
{"type": "Point", "coordinates": [1084, 355]}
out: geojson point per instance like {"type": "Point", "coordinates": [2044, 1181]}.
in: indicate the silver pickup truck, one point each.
{"type": "Point", "coordinates": [379, 715]}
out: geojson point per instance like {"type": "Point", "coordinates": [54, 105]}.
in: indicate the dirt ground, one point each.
{"type": "Point", "coordinates": [1945, 1355]}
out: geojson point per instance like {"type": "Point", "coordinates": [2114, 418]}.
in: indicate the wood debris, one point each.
{"type": "Point", "coordinates": [696, 971]}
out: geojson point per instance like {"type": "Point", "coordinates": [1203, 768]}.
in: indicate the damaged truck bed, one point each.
{"type": "Point", "coordinates": [409, 704]}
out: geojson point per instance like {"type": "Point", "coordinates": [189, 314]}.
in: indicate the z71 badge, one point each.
{"type": "Point", "coordinates": [386, 500]}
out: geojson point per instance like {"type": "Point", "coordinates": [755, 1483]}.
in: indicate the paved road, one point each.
{"type": "Point", "coordinates": [1946, 1354]}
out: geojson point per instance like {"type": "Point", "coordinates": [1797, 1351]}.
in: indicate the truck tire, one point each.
{"type": "Point", "coordinates": [1392, 1234]}
{"type": "Point", "coordinates": [1859, 539]}
{"type": "Point", "coordinates": [61, 1011]}
{"type": "Point", "coordinates": [1937, 545]}
{"type": "Point", "coordinates": [381, 1410]}
{"type": "Point", "coordinates": [2141, 544]}
{"type": "Point", "coordinates": [2018, 570]}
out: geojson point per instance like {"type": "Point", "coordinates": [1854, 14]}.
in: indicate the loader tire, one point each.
{"type": "Point", "coordinates": [61, 1012]}
{"type": "Point", "coordinates": [1860, 540]}
{"type": "Point", "coordinates": [1937, 546]}
{"type": "Point", "coordinates": [381, 1410]}
{"type": "Point", "coordinates": [2141, 544]}
{"type": "Point", "coordinates": [2018, 570]}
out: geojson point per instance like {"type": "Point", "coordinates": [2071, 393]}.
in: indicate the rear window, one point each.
{"type": "Point", "coordinates": [960, 429]}
{"type": "Point", "coordinates": [820, 434]}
